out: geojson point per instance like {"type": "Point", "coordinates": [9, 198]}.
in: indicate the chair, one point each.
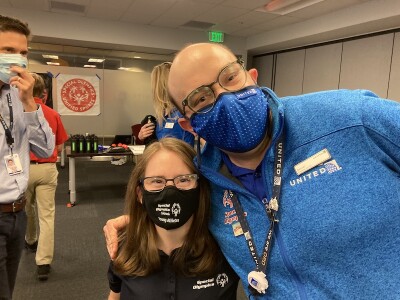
{"type": "Point", "coordinates": [135, 133]}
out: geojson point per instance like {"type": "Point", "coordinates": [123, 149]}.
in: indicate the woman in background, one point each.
{"type": "Point", "coordinates": [166, 114]}
{"type": "Point", "coordinates": [166, 250]}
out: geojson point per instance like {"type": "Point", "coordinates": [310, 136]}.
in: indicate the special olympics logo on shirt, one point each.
{"type": "Point", "coordinates": [78, 95]}
{"type": "Point", "coordinates": [176, 209]}
{"type": "Point", "coordinates": [222, 279]}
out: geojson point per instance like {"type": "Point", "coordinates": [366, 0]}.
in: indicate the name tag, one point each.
{"type": "Point", "coordinates": [169, 125]}
{"type": "Point", "coordinates": [13, 164]}
{"type": "Point", "coordinates": [237, 229]}
{"type": "Point", "coordinates": [313, 161]}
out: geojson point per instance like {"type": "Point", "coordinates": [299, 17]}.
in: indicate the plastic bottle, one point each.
{"type": "Point", "coordinates": [95, 144]}
{"type": "Point", "coordinates": [74, 146]}
{"type": "Point", "coordinates": [88, 142]}
{"type": "Point", "coordinates": [81, 148]}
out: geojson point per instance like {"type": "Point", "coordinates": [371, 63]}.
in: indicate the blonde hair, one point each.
{"type": "Point", "coordinates": [138, 253]}
{"type": "Point", "coordinates": [39, 86]}
{"type": "Point", "coordinates": [161, 100]}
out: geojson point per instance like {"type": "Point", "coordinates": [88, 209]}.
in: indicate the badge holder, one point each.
{"type": "Point", "coordinates": [258, 281]}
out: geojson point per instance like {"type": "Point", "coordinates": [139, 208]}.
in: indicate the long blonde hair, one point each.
{"type": "Point", "coordinates": [161, 101]}
{"type": "Point", "coordinates": [138, 254]}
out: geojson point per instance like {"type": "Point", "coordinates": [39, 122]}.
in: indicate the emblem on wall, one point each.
{"type": "Point", "coordinates": [78, 95]}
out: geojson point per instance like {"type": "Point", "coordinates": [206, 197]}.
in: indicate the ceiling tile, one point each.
{"type": "Point", "coordinates": [248, 4]}
{"type": "Point", "coordinates": [145, 11]}
{"type": "Point", "coordinates": [322, 8]}
{"type": "Point", "coordinates": [253, 18]}
{"type": "Point", "coordinates": [220, 14]}
{"type": "Point", "coordinates": [248, 32]}
{"type": "Point", "coordinates": [5, 3]}
{"type": "Point", "coordinates": [32, 4]}
{"type": "Point", "coordinates": [182, 12]}
{"type": "Point", "coordinates": [109, 10]}
{"type": "Point", "coordinates": [277, 22]}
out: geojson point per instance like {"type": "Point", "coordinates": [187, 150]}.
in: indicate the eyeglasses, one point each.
{"type": "Point", "coordinates": [231, 78]}
{"type": "Point", "coordinates": [158, 183]}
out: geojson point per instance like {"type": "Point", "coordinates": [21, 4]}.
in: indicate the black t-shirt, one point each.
{"type": "Point", "coordinates": [166, 285]}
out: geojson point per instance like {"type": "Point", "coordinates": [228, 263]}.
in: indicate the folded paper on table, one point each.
{"type": "Point", "coordinates": [136, 149]}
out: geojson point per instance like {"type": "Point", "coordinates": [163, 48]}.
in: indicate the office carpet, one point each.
{"type": "Point", "coordinates": [79, 268]}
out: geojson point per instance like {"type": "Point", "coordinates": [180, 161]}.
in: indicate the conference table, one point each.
{"type": "Point", "coordinates": [133, 154]}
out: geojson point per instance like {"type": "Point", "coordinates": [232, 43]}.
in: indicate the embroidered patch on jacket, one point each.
{"type": "Point", "coordinates": [328, 167]}
{"type": "Point", "coordinates": [332, 166]}
{"type": "Point", "coordinates": [229, 215]}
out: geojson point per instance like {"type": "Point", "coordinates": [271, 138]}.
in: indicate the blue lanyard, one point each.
{"type": "Point", "coordinates": [271, 209]}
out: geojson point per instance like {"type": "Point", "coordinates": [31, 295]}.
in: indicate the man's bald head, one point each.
{"type": "Point", "coordinates": [196, 65]}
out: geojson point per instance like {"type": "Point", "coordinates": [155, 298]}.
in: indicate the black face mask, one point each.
{"type": "Point", "coordinates": [171, 208]}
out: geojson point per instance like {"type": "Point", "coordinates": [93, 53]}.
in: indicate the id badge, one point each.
{"type": "Point", "coordinates": [13, 164]}
{"type": "Point", "coordinates": [169, 125]}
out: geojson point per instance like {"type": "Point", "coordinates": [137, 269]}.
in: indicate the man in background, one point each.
{"type": "Point", "coordinates": [23, 128]}
{"type": "Point", "coordinates": [40, 194]}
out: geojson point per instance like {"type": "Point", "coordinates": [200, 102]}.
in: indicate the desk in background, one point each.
{"type": "Point", "coordinates": [72, 157]}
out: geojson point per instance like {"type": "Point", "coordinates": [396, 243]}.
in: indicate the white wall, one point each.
{"type": "Point", "coordinates": [264, 66]}
{"type": "Point", "coordinates": [125, 99]}
{"type": "Point", "coordinates": [366, 64]}
{"type": "Point", "coordinates": [394, 83]}
{"type": "Point", "coordinates": [371, 63]}
{"type": "Point", "coordinates": [322, 68]}
{"type": "Point", "coordinates": [289, 73]}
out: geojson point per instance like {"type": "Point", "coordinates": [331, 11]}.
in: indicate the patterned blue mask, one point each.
{"type": "Point", "coordinates": [237, 123]}
{"type": "Point", "coordinates": [8, 60]}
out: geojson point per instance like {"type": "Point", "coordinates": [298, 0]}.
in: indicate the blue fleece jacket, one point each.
{"type": "Point", "coordinates": [338, 235]}
{"type": "Point", "coordinates": [171, 128]}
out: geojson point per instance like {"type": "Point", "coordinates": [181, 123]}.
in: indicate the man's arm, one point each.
{"type": "Point", "coordinates": [114, 296]}
{"type": "Point", "coordinates": [111, 233]}
{"type": "Point", "coordinates": [40, 135]}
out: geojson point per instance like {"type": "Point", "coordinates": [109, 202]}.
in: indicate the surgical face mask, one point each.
{"type": "Point", "coordinates": [237, 123]}
{"type": "Point", "coordinates": [171, 208]}
{"type": "Point", "coordinates": [7, 61]}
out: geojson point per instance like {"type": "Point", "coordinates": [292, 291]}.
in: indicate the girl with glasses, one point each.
{"type": "Point", "coordinates": [166, 251]}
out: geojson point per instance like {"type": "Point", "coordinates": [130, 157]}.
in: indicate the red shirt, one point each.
{"type": "Point", "coordinates": [56, 125]}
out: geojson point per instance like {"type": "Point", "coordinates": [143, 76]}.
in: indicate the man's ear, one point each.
{"type": "Point", "coordinates": [253, 74]}
{"type": "Point", "coordinates": [139, 194]}
{"type": "Point", "coordinates": [185, 124]}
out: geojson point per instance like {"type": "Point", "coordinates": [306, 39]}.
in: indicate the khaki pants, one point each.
{"type": "Point", "coordinates": [40, 209]}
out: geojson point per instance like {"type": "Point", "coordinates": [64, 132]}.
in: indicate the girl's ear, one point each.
{"type": "Point", "coordinates": [139, 194]}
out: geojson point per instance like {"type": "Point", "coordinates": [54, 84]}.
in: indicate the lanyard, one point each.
{"type": "Point", "coordinates": [8, 129]}
{"type": "Point", "coordinates": [271, 209]}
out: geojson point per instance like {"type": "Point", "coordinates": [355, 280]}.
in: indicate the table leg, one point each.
{"type": "Point", "coordinates": [62, 158]}
{"type": "Point", "coordinates": [72, 186]}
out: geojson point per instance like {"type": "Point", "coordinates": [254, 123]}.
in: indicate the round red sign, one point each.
{"type": "Point", "coordinates": [78, 95]}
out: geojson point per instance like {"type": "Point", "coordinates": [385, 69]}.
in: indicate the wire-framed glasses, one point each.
{"type": "Point", "coordinates": [231, 78]}
{"type": "Point", "coordinates": [158, 183]}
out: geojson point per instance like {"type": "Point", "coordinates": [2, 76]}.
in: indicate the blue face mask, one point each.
{"type": "Point", "coordinates": [8, 60]}
{"type": "Point", "coordinates": [237, 123]}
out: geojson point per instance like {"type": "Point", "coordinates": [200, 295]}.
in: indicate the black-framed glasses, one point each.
{"type": "Point", "coordinates": [158, 183]}
{"type": "Point", "coordinates": [231, 78]}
